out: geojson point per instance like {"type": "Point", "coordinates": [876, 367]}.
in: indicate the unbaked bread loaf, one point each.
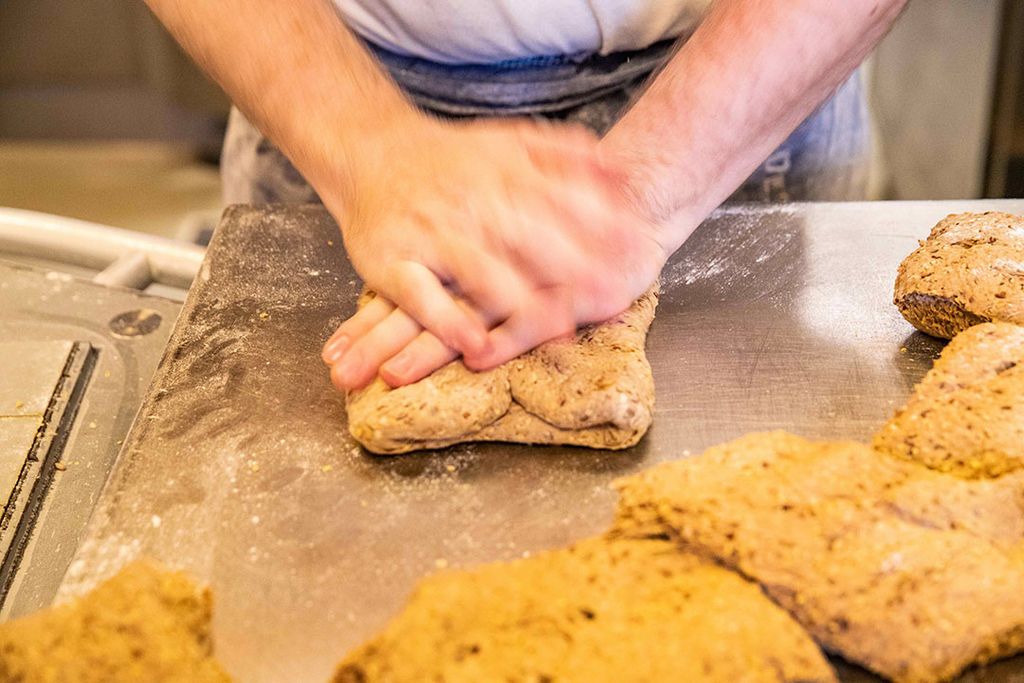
{"type": "Point", "coordinates": [594, 390]}
{"type": "Point", "coordinates": [144, 624]}
{"type": "Point", "coordinates": [970, 270]}
{"type": "Point", "coordinates": [909, 572]}
{"type": "Point", "coordinates": [966, 416]}
{"type": "Point", "coordinates": [629, 611]}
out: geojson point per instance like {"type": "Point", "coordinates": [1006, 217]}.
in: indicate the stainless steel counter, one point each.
{"type": "Point", "coordinates": [75, 360]}
{"type": "Point", "coordinates": [239, 467]}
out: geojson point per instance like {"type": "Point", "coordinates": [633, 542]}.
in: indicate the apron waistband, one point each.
{"type": "Point", "coordinates": [531, 85]}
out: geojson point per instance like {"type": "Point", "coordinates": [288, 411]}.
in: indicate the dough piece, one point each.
{"type": "Point", "coordinates": [144, 624]}
{"type": "Point", "coordinates": [596, 390]}
{"type": "Point", "coordinates": [966, 416]}
{"type": "Point", "coordinates": [970, 270]}
{"type": "Point", "coordinates": [911, 573]}
{"type": "Point", "coordinates": [625, 610]}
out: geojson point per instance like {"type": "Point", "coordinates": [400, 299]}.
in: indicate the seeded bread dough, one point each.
{"type": "Point", "coordinates": [596, 391]}
{"type": "Point", "coordinates": [966, 416]}
{"type": "Point", "coordinates": [144, 624]}
{"type": "Point", "coordinates": [970, 270]}
{"type": "Point", "coordinates": [909, 572]}
{"type": "Point", "coordinates": [624, 610]}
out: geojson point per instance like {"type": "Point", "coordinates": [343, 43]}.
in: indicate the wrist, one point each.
{"type": "Point", "coordinates": [662, 196]}
{"type": "Point", "coordinates": [348, 157]}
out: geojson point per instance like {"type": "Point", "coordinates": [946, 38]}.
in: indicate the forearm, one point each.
{"type": "Point", "coordinates": [748, 76]}
{"type": "Point", "coordinates": [298, 74]}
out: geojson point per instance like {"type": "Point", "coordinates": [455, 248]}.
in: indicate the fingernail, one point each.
{"type": "Point", "coordinates": [335, 349]}
{"type": "Point", "coordinates": [347, 367]}
{"type": "Point", "coordinates": [399, 365]}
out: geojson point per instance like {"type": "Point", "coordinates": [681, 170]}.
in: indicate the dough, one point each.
{"type": "Point", "coordinates": [966, 416]}
{"type": "Point", "coordinates": [602, 610]}
{"type": "Point", "coordinates": [596, 390]}
{"type": "Point", "coordinates": [145, 624]}
{"type": "Point", "coordinates": [911, 573]}
{"type": "Point", "coordinates": [970, 270]}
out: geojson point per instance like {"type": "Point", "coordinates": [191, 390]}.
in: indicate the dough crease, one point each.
{"type": "Point", "coordinates": [595, 390]}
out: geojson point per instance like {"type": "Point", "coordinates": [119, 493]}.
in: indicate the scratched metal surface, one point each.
{"type": "Point", "coordinates": [239, 467]}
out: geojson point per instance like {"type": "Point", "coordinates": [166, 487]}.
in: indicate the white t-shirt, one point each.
{"type": "Point", "coordinates": [487, 31]}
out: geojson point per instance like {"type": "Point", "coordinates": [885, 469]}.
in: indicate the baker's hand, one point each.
{"type": "Point", "coordinates": [493, 237]}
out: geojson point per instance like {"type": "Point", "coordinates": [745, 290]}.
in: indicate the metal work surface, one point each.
{"type": "Point", "coordinates": [239, 467]}
{"type": "Point", "coordinates": [70, 384]}
{"type": "Point", "coordinates": [30, 372]}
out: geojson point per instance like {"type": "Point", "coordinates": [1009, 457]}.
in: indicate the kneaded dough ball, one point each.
{"type": "Point", "coordinates": [970, 270]}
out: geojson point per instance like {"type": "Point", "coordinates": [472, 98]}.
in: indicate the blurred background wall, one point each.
{"type": "Point", "coordinates": [103, 118]}
{"type": "Point", "coordinates": [931, 85]}
{"type": "Point", "coordinates": [88, 69]}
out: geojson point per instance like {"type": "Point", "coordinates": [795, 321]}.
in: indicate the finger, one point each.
{"type": "Point", "coordinates": [596, 213]}
{"type": "Point", "coordinates": [417, 290]}
{"type": "Point", "coordinates": [566, 237]}
{"type": "Point", "coordinates": [359, 365]}
{"type": "Point", "coordinates": [543, 243]}
{"type": "Point", "coordinates": [365, 319]}
{"type": "Point", "coordinates": [550, 315]}
{"type": "Point", "coordinates": [611, 240]}
{"type": "Point", "coordinates": [491, 285]}
{"type": "Point", "coordinates": [602, 235]}
{"type": "Point", "coordinates": [568, 150]}
{"type": "Point", "coordinates": [557, 138]}
{"type": "Point", "coordinates": [573, 163]}
{"type": "Point", "coordinates": [425, 354]}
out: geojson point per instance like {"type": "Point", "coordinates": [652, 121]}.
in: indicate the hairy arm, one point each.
{"type": "Point", "coordinates": [298, 74]}
{"type": "Point", "coordinates": [748, 76]}
{"type": "Point", "coordinates": [488, 239]}
{"type": "Point", "coordinates": [485, 237]}
{"type": "Point", "coordinates": [734, 91]}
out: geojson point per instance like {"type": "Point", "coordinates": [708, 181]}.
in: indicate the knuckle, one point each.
{"type": "Point", "coordinates": [478, 361]}
{"type": "Point", "coordinates": [608, 303]}
{"type": "Point", "coordinates": [567, 325]}
{"type": "Point", "coordinates": [593, 295]}
{"type": "Point", "coordinates": [404, 286]}
{"type": "Point", "coordinates": [385, 281]}
{"type": "Point", "coordinates": [558, 323]}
